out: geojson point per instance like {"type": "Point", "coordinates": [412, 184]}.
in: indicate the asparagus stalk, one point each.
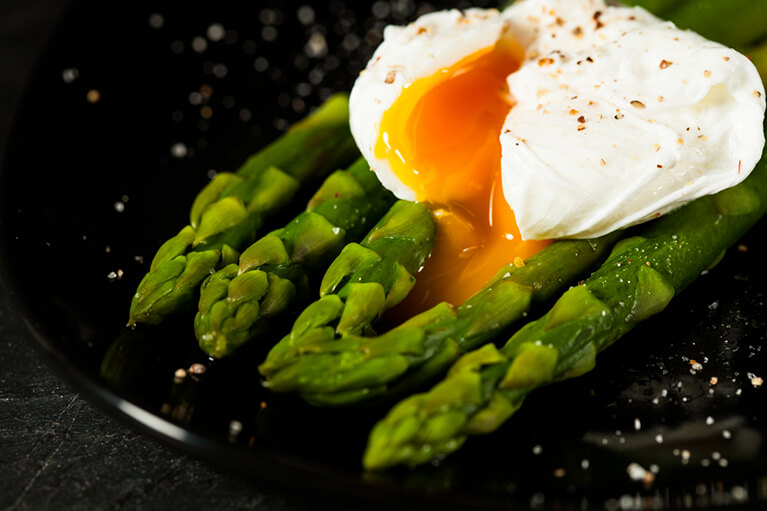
{"type": "Point", "coordinates": [422, 347]}
{"type": "Point", "coordinates": [758, 56]}
{"type": "Point", "coordinates": [744, 20]}
{"type": "Point", "coordinates": [486, 386]}
{"type": "Point", "coordinates": [657, 7]}
{"type": "Point", "coordinates": [363, 281]}
{"type": "Point", "coordinates": [236, 299]}
{"type": "Point", "coordinates": [228, 212]}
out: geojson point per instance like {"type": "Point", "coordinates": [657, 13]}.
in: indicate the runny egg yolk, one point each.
{"type": "Point", "coordinates": [441, 138]}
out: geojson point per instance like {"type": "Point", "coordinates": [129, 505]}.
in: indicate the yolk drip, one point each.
{"type": "Point", "coordinates": [441, 138]}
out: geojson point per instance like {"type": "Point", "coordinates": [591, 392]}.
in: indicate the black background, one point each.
{"type": "Point", "coordinates": [58, 450]}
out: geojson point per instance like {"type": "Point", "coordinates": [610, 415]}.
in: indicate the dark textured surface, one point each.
{"type": "Point", "coordinates": [58, 450]}
{"type": "Point", "coordinates": [62, 452]}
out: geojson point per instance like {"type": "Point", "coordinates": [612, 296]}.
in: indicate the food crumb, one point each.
{"type": "Point", "coordinates": [179, 375]}
{"type": "Point", "coordinates": [743, 248]}
{"type": "Point", "coordinates": [156, 21]}
{"type": "Point", "coordinates": [93, 96]}
{"type": "Point", "coordinates": [519, 262]}
{"type": "Point", "coordinates": [70, 74]}
{"type": "Point", "coordinates": [235, 428]}
{"type": "Point", "coordinates": [714, 380]}
{"type": "Point", "coordinates": [197, 368]}
{"type": "Point", "coordinates": [638, 473]}
{"type": "Point", "coordinates": [559, 473]}
{"type": "Point", "coordinates": [739, 493]}
{"type": "Point", "coordinates": [178, 150]}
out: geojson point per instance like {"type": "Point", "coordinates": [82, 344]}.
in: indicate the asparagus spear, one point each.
{"type": "Point", "coordinates": [233, 206]}
{"type": "Point", "coordinates": [758, 56]}
{"type": "Point", "coordinates": [657, 7]}
{"type": "Point", "coordinates": [362, 282]}
{"type": "Point", "coordinates": [425, 345]}
{"type": "Point", "coordinates": [235, 299]}
{"type": "Point", "coordinates": [744, 25]}
{"type": "Point", "coordinates": [486, 386]}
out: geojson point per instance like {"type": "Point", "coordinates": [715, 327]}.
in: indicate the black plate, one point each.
{"type": "Point", "coordinates": [126, 115]}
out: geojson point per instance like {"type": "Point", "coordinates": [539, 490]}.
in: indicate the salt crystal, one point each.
{"type": "Point", "coordinates": [199, 44]}
{"type": "Point", "coordinates": [156, 21]}
{"type": "Point", "coordinates": [178, 150]}
{"type": "Point", "coordinates": [216, 32]}
{"type": "Point", "coordinates": [638, 473]}
{"type": "Point", "coordinates": [739, 493]}
{"type": "Point", "coordinates": [305, 15]}
{"type": "Point", "coordinates": [69, 75]}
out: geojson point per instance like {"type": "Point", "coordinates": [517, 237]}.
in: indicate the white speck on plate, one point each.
{"type": "Point", "coordinates": [305, 15]}
{"type": "Point", "coordinates": [178, 150]}
{"type": "Point", "coordinates": [70, 74]}
{"type": "Point", "coordinates": [156, 21]}
{"type": "Point", "coordinates": [216, 32]}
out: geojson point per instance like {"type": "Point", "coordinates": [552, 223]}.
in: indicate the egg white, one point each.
{"type": "Point", "coordinates": [667, 115]}
{"type": "Point", "coordinates": [433, 42]}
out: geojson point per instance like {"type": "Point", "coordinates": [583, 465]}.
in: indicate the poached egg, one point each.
{"type": "Point", "coordinates": [551, 119]}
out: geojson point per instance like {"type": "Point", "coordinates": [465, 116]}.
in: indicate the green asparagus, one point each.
{"type": "Point", "coordinates": [425, 345]}
{"type": "Point", "coordinates": [228, 212]}
{"type": "Point", "coordinates": [363, 281]}
{"type": "Point", "coordinates": [745, 20]}
{"type": "Point", "coordinates": [641, 276]}
{"type": "Point", "coordinates": [758, 56]}
{"type": "Point", "coordinates": [235, 299]}
{"type": "Point", "coordinates": [657, 7]}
